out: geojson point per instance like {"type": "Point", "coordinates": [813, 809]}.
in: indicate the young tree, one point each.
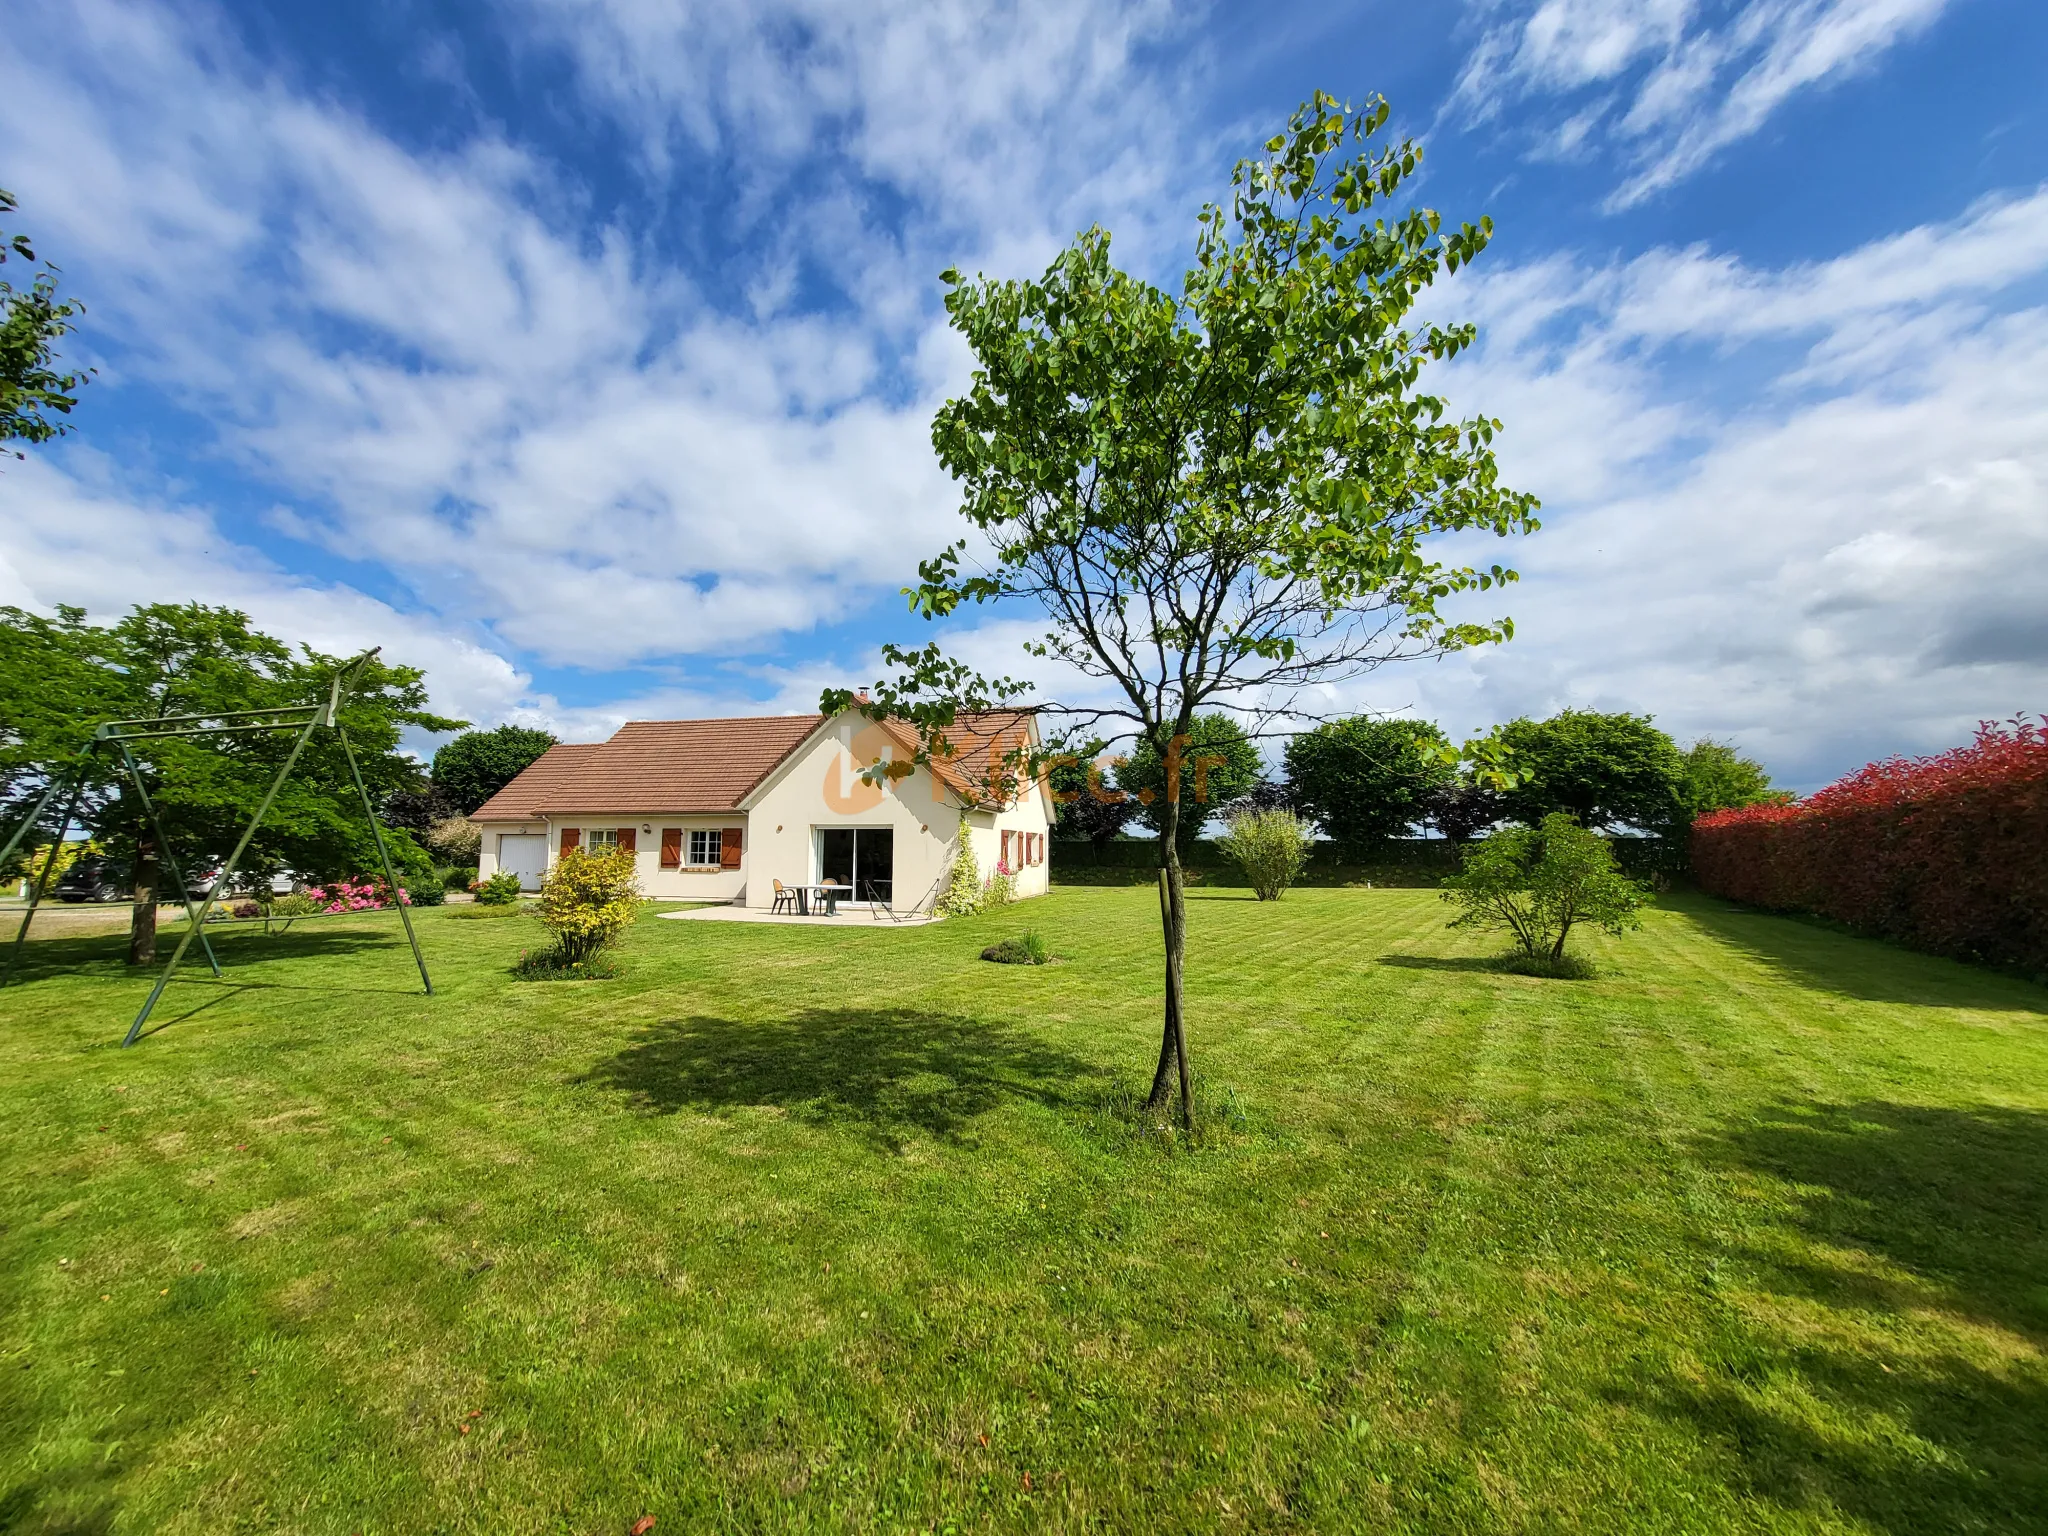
{"type": "Point", "coordinates": [1218, 764]}
{"type": "Point", "coordinates": [477, 764]}
{"type": "Point", "coordinates": [1222, 497]}
{"type": "Point", "coordinates": [1541, 882]}
{"type": "Point", "coordinates": [1718, 778]}
{"type": "Point", "coordinates": [32, 322]}
{"type": "Point", "coordinates": [62, 676]}
{"type": "Point", "coordinates": [1601, 770]}
{"type": "Point", "coordinates": [1364, 780]}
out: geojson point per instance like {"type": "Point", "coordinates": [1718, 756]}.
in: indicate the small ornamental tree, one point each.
{"type": "Point", "coordinates": [963, 894]}
{"type": "Point", "coordinates": [1464, 808]}
{"type": "Point", "coordinates": [1364, 780]}
{"type": "Point", "coordinates": [1271, 847]}
{"type": "Point", "coordinates": [1219, 497]}
{"type": "Point", "coordinates": [588, 901]}
{"type": "Point", "coordinates": [1541, 882]}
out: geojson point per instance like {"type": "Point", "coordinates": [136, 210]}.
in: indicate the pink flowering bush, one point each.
{"type": "Point", "coordinates": [347, 896]}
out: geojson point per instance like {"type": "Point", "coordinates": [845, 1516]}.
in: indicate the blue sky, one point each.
{"type": "Point", "coordinates": [584, 351]}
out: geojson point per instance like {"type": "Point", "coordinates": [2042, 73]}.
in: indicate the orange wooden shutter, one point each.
{"type": "Point", "coordinates": [628, 841]}
{"type": "Point", "coordinates": [671, 847]}
{"type": "Point", "coordinates": [729, 848]}
{"type": "Point", "coordinates": [571, 837]}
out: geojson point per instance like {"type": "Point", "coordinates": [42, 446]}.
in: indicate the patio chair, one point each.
{"type": "Point", "coordinates": [785, 899]}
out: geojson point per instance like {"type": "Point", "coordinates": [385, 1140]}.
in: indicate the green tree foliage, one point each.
{"type": "Point", "coordinates": [588, 901]}
{"type": "Point", "coordinates": [1540, 882]}
{"type": "Point", "coordinates": [1089, 804]}
{"type": "Point", "coordinates": [32, 321]}
{"type": "Point", "coordinates": [1218, 763]}
{"type": "Point", "coordinates": [1224, 492]}
{"type": "Point", "coordinates": [1363, 780]}
{"type": "Point", "coordinates": [477, 764]}
{"type": "Point", "coordinates": [1601, 770]}
{"type": "Point", "coordinates": [1271, 847]}
{"type": "Point", "coordinates": [60, 676]}
{"type": "Point", "coordinates": [1718, 778]}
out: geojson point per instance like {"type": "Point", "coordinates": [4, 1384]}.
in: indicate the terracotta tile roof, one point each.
{"type": "Point", "coordinates": [654, 765]}
{"type": "Point", "coordinates": [980, 741]}
{"type": "Point", "coordinates": [708, 765]}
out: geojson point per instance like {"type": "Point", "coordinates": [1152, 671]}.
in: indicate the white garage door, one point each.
{"type": "Point", "coordinates": [525, 854]}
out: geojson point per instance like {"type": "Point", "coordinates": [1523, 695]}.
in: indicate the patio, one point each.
{"type": "Point", "coordinates": [849, 916]}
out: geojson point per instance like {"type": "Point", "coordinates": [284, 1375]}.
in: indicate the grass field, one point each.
{"type": "Point", "coordinates": [842, 1230]}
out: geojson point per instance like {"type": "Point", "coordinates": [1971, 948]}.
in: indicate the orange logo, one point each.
{"type": "Point", "coordinates": [845, 790]}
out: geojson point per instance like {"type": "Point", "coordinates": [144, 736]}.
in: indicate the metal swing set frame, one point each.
{"type": "Point", "coordinates": [122, 734]}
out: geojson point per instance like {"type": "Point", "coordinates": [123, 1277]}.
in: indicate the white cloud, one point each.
{"type": "Point", "coordinates": [1673, 82]}
{"type": "Point", "coordinates": [1840, 560]}
{"type": "Point", "coordinates": [82, 538]}
{"type": "Point", "coordinates": [543, 427]}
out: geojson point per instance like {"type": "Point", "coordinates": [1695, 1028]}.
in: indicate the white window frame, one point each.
{"type": "Point", "coordinates": [712, 838]}
{"type": "Point", "coordinates": [600, 838]}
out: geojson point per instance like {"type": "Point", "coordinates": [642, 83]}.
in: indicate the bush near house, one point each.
{"type": "Point", "coordinates": [1943, 853]}
{"type": "Point", "coordinates": [588, 901]}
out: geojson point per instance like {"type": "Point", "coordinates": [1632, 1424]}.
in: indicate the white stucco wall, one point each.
{"type": "Point", "coordinates": [684, 884]}
{"type": "Point", "coordinates": [820, 786]}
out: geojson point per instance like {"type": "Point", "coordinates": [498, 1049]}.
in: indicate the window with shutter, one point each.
{"type": "Point", "coordinates": [629, 839]}
{"type": "Point", "coordinates": [671, 847]}
{"type": "Point", "coordinates": [729, 848]}
{"type": "Point", "coordinates": [571, 837]}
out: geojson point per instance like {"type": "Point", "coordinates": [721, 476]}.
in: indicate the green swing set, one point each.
{"type": "Point", "coordinates": [122, 734]}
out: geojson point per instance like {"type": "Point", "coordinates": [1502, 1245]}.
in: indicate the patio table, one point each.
{"type": "Point", "coordinates": [828, 894]}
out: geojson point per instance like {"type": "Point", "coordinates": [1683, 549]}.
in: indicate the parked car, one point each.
{"type": "Point", "coordinates": [96, 877]}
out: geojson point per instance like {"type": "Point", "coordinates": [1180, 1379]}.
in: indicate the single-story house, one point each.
{"type": "Point", "coordinates": [719, 810]}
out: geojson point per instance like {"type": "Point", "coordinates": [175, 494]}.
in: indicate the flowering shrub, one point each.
{"type": "Point", "coordinates": [347, 896]}
{"type": "Point", "coordinates": [1944, 852]}
{"type": "Point", "coordinates": [1001, 887]}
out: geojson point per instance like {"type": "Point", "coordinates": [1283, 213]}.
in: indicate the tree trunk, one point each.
{"type": "Point", "coordinates": [142, 918]}
{"type": "Point", "coordinates": [1173, 1046]}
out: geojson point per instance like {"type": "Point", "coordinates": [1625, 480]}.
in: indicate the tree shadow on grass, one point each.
{"type": "Point", "coordinates": [886, 1072]}
{"type": "Point", "coordinates": [1914, 1224]}
{"type": "Point", "coordinates": [1810, 954]}
{"type": "Point", "coordinates": [105, 956]}
{"type": "Point", "coordinates": [1492, 963]}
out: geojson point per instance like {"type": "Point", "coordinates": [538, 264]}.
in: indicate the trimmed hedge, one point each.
{"type": "Point", "coordinates": [1403, 861]}
{"type": "Point", "coordinates": [1946, 853]}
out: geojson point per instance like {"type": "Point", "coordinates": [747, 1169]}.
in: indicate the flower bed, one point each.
{"type": "Point", "coordinates": [1945, 853]}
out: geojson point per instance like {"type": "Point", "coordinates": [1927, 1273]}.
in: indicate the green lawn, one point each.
{"type": "Point", "coordinates": [842, 1230]}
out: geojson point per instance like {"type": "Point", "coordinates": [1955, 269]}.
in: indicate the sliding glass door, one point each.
{"type": "Point", "coordinates": [861, 857]}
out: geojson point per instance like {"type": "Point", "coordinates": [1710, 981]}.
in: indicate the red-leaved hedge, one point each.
{"type": "Point", "coordinates": [1945, 853]}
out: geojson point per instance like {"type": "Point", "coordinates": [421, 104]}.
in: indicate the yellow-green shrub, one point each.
{"type": "Point", "coordinates": [588, 900]}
